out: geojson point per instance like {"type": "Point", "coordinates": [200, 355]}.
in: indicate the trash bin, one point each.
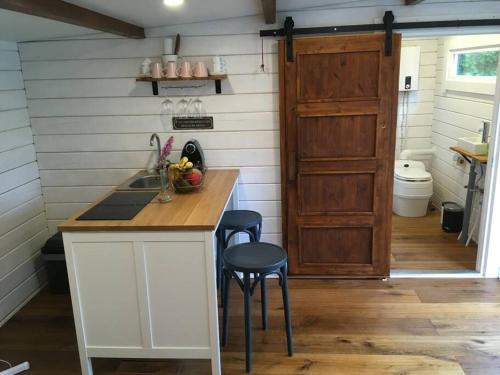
{"type": "Point", "coordinates": [452, 215]}
{"type": "Point", "coordinates": [55, 262]}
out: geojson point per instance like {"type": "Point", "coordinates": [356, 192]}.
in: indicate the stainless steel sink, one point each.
{"type": "Point", "coordinates": [144, 180]}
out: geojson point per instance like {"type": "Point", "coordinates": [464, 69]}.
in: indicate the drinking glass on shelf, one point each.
{"type": "Point", "coordinates": [166, 113]}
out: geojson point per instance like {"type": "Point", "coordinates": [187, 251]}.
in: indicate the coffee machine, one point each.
{"type": "Point", "coordinates": [193, 151]}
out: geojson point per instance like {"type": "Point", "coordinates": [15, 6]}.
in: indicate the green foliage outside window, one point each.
{"type": "Point", "coordinates": [483, 64]}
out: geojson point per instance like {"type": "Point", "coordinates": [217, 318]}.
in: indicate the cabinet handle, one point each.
{"type": "Point", "coordinates": [292, 166]}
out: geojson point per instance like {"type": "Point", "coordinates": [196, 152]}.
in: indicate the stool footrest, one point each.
{"type": "Point", "coordinates": [257, 279]}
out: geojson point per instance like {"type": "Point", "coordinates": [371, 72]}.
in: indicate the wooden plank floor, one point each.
{"type": "Point", "coordinates": [420, 244]}
{"type": "Point", "coordinates": [370, 327]}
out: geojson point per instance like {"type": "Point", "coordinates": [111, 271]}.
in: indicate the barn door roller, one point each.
{"type": "Point", "coordinates": [288, 30]}
{"type": "Point", "coordinates": [288, 26]}
{"type": "Point", "coordinates": [388, 23]}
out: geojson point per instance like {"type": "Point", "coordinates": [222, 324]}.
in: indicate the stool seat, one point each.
{"type": "Point", "coordinates": [257, 257]}
{"type": "Point", "coordinates": [240, 219]}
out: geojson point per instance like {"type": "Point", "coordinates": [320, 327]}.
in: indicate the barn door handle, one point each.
{"type": "Point", "coordinates": [292, 166]}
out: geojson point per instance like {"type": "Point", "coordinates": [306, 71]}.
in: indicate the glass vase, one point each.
{"type": "Point", "coordinates": [164, 196]}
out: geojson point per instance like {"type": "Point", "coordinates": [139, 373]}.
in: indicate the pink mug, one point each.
{"type": "Point", "coordinates": [171, 70]}
{"type": "Point", "coordinates": [200, 70]}
{"type": "Point", "coordinates": [186, 71]}
{"type": "Point", "coordinates": [156, 70]}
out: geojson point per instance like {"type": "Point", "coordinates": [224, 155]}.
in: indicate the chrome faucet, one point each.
{"type": "Point", "coordinates": [154, 137]}
{"type": "Point", "coordinates": [485, 131]}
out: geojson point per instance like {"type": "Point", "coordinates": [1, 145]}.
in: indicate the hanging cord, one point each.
{"type": "Point", "coordinates": [262, 66]}
{"type": "Point", "coordinates": [401, 124]}
{"type": "Point", "coordinates": [406, 113]}
{"type": "Point", "coordinates": [404, 121]}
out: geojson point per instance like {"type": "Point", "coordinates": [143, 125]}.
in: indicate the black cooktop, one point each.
{"type": "Point", "coordinates": [119, 206]}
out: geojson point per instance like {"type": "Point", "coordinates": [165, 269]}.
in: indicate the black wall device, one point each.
{"type": "Point", "coordinates": [408, 82]}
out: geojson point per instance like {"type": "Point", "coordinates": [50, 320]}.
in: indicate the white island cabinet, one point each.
{"type": "Point", "coordinates": [146, 288]}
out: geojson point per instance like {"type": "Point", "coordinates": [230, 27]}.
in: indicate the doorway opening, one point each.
{"type": "Point", "coordinates": [445, 112]}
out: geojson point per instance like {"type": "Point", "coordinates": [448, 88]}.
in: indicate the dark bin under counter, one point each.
{"type": "Point", "coordinates": [55, 262]}
{"type": "Point", "coordinates": [452, 216]}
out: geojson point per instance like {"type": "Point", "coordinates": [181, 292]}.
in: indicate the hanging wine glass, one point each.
{"type": "Point", "coordinates": [190, 108]}
{"type": "Point", "coordinates": [166, 113]}
{"type": "Point", "coordinates": [181, 108]}
{"type": "Point", "coordinates": [198, 109]}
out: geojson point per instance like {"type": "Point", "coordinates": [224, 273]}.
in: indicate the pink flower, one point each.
{"type": "Point", "coordinates": [167, 147]}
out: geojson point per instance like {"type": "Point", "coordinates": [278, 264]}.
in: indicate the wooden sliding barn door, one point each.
{"type": "Point", "coordinates": [338, 122]}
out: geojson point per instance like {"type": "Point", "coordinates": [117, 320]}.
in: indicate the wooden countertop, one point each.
{"type": "Point", "coordinates": [463, 152]}
{"type": "Point", "coordinates": [200, 210]}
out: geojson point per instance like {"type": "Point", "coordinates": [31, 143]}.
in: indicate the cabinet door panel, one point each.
{"type": "Point", "coordinates": [331, 245]}
{"type": "Point", "coordinates": [337, 136]}
{"type": "Point", "coordinates": [338, 75]}
{"type": "Point", "coordinates": [324, 193]}
{"type": "Point", "coordinates": [178, 297]}
{"type": "Point", "coordinates": [107, 283]}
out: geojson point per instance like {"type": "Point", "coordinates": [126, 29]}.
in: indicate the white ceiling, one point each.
{"type": "Point", "coordinates": [150, 13]}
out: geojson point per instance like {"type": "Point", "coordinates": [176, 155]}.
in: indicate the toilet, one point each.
{"type": "Point", "coordinates": [412, 188]}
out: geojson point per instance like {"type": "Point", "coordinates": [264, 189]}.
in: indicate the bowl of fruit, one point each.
{"type": "Point", "coordinates": [184, 177]}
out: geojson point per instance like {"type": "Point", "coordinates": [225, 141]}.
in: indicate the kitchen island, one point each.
{"type": "Point", "coordinates": [146, 287]}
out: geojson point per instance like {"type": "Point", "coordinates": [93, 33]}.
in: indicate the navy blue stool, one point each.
{"type": "Point", "coordinates": [236, 221]}
{"type": "Point", "coordinates": [262, 259]}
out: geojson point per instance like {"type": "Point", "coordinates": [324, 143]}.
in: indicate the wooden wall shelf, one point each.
{"type": "Point", "coordinates": [154, 81]}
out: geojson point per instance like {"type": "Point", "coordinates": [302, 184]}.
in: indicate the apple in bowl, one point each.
{"type": "Point", "coordinates": [194, 177]}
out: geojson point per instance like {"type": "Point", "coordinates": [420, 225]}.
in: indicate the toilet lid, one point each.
{"type": "Point", "coordinates": [412, 174]}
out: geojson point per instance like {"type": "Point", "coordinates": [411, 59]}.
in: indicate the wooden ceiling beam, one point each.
{"type": "Point", "coordinates": [413, 2]}
{"type": "Point", "coordinates": [269, 8]}
{"type": "Point", "coordinates": [62, 11]}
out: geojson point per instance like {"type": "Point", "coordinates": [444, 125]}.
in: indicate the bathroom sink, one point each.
{"type": "Point", "coordinates": [143, 180]}
{"type": "Point", "coordinates": [473, 145]}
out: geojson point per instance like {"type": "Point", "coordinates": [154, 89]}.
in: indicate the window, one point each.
{"type": "Point", "coordinates": [470, 64]}
{"type": "Point", "coordinates": [475, 63]}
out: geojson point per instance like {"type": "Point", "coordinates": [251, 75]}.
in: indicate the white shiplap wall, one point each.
{"type": "Point", "coordinates": [420, 108]}
{"type": "Point", "coordinates": [93, 132]}
{"type": "Point", "coordinates": [92, 121]}
{"type": "Point", "coordinates": [456, 115]}
{"type": "Point", "coordinates": [23, 227]}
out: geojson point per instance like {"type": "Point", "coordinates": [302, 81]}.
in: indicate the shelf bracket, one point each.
{"type": "Point", "coordinates": [155, 87]}
{"type": "Point", "coordinates": [218, 86]}
{"type": "Point", "coordinates": [388, 23]}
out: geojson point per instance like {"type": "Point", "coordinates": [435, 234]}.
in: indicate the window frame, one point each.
{"type": "Point", "coordinates": [472, 84]}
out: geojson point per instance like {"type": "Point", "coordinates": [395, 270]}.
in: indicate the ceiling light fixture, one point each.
{"type": "Point", "coordinates": [173, 3]}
